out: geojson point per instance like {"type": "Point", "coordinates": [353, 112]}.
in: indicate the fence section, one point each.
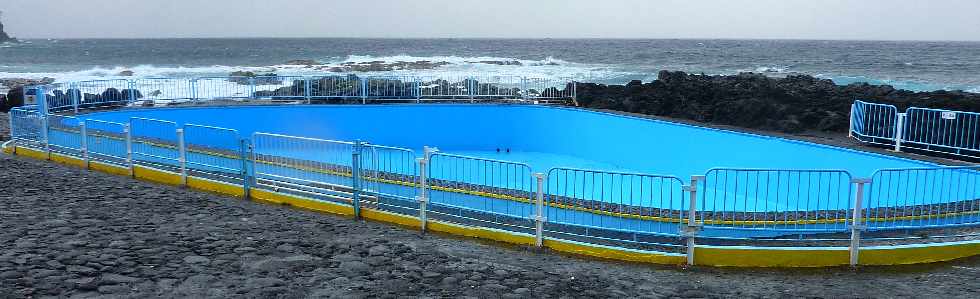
{"type": "Point", "coordinates": [106, 141]}
{"type": "Point", "coordinates": [614, 208]}
{"type": "Point", "coordinates": [775, 202]}
{"type": "Point", "coordinates": [64, 135]}
{"type": "Point", "coordinates": [118, 92]}
{"type": "Point", "coordinates": [214, 152]}
{"type": "Point", "coordinates": [336, 87]}
{"type": "Point", "coordinates": [307, 166]}
{"type": "Point", "coordinates": [164, 89]}
{"type": "Point", "coordinates": [155, 142]}
{"type": "Point", "coordinates": [873, 123]}
{"type": "Point", "coordinates": [923, 197]}
{"type": "Point", "coordinates": [280, 87]}
{"type": "Point", "coordinates": [101, 93]}
{"type": "Point", "coordinates": [933, 130]}
{"type": "Point", "coordinates": [222, 88]}
{"type": "Point", "coordinates": [481, 192]}
{"type": "Point", "coordinates": [391, 175]}
{"type": "Point", "coordinates": [26, 126]}
{"type": "Point", "coordinates": [942, 130]}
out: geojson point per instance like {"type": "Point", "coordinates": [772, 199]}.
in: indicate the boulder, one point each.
{"type": "Point", "coordinates": [14, 98]}
{"type": "Point", "coordinates": [303, 62]}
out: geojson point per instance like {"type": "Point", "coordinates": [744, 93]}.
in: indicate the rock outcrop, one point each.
{"type": "Point", "coordinates": [4, 38]}
{"type": "Point", "coordinates": [791, 104]}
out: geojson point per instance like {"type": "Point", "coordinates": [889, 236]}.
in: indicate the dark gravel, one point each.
{"type": "Point", "coordinates": [67, 232]}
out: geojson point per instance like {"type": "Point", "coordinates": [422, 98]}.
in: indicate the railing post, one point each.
{"type": "Point", "coordinates": [44, 135]}
{"type": "Point", "coordinates": [539, 218]}
{"type": "Point", "coordinates": [691, 229]}
{"type": "Point", "coordinates": [84, 143]}
{"type": "Point", "coordinates": [524, 89]}
{"type": "Point", "coordinates": [132, 91]}
{"type": "Point", "coordinates": [470, 87]}
{"type": "Point", "coordinates": [418, 91]}
{"type": "Point", "coordinates": [182, 156]}
{"type": "Point", "coordinates": [244, 150]}
{"type": "Point", "coordinates": [899, 128]}
{"type": "Point", "coordinates": [423, 197]}
{"type": "Point", "coordinates": [128, 130]}
{"type": "Point", "coordinates": [857, 224]}
{"type": "Point", "coordinates": [575, 93]}
{"type": "Point", "coordinates": [364, 90]}
{"type": "Point", "coordinates": [307, 85]}
{"type": "Point", "coordinates": [356, 178]}
{"type": "Point", "coordinates": [251, 88]}
{"type": "Point", "coordinates": [850, 122]}
{"type": "Point", "coordinates": [10, 124]}
{"type": "Point", "coordinates": [74, 96]}
{"type": "Point", "coordinates": [193, 87]}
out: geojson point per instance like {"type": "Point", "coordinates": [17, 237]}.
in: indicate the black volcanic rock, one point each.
{"type": "Point", "coordinates": [3, 35]}
{"type": "Point", "coordinates": [791, 104]}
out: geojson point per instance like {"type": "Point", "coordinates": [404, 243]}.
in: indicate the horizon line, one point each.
{"type": "Point", "coordinates": [495, 38]}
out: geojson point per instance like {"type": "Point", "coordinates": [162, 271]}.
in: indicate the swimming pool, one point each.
{"type": "Point", "coordinates": [606, 176]}
{"type": "Point", "coordinates": [541, 136]}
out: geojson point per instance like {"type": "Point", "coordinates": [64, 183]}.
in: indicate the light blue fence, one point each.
{"type": "Point", "coordinates": [155, 142]}
{"type": "Point", "coordinates": [26, 126]}
{"type": "Point", "coordinates": [932, 130]}
{"type": "Point", "coordinates": [615, 208]}
{"type": "Point", "coordinates": [106, 141]}
{"type": "Point", "coordinates": [937, 130]}
{"type": "Point", "coordinates": [626, 210]}
{"type": "Point", "coordinates": [482, 192]}
{"type": "Point", "coordinates": [873, 123]}
{"type": "Point", "coordinates": [923, 197]}
{"type": "Point", "coordinates": [777, 201]}
{"type": "Point", "coordinates": [306, 166]}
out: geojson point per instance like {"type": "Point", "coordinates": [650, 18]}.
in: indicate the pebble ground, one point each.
{"type": "Point", "coordinates": [67, 232]}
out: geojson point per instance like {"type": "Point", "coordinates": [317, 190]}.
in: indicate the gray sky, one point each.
{"type": "Point", "coordinates": [799, 19]}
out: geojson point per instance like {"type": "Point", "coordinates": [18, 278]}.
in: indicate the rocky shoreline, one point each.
{"type": "Point", "coordinates": [792, 104]}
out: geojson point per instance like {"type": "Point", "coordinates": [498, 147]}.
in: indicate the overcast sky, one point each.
{"type": "Point", "coordinates": [797, 19]}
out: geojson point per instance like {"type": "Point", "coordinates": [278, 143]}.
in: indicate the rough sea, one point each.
{"type": "Point", "coordinates": [907, 65]}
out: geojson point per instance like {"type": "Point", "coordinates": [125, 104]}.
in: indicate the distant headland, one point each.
{"type": "Point", "coordinates": [4, 38]}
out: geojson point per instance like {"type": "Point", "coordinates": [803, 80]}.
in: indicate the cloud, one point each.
{"type": "Point", "coordinates": [799, 19]}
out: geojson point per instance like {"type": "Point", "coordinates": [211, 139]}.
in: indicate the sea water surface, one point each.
{"type": "Point", "coordinates": [904, 64]}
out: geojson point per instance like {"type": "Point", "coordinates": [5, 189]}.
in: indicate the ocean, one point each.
{"type": "Point", "coordinates": [920, 66]}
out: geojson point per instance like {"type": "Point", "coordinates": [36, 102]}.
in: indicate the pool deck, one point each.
{"type": "Point", "coordinates": [214, 246]}
{"type": "Point", "coordinates": [837, 139]}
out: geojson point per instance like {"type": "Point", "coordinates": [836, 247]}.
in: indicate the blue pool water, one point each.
{"type": "Point", "coordinates": [542, 137]}
{"type": "Point", "coordinates": [603, 170]}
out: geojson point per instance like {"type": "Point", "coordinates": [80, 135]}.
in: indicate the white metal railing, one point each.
{"type": "Point", "coordinates": [71, 96]}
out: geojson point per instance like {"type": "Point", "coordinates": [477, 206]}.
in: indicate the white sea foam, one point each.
{"type": "Point", "coordinates": [771, 69]}
{"type": "Point", "coordinates": [549, 68]}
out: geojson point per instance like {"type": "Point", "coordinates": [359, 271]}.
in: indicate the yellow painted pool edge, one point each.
{"type": "Point", "coordinates": [783, 257]}
{"type": "Point", "coordinates": [156, 176]}
{"type": "Point", "coordinates": [215, 187]}
{"type": "Point", "coordinates": [270, 197]}
{"type": "Point", "coordinates": [612, 253]}
{"type": "Point", "coordinates": [108, 168]}
{"type": "Point", "coordinates": [917, 253]}
{"type": "Point", "coordinates": [719, 256]}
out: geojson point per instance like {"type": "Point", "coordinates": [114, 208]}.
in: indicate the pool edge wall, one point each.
{"type": "Point", "coordinates": [719, 256]}
{"type": "Point", "coordinates": [546, 129]}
